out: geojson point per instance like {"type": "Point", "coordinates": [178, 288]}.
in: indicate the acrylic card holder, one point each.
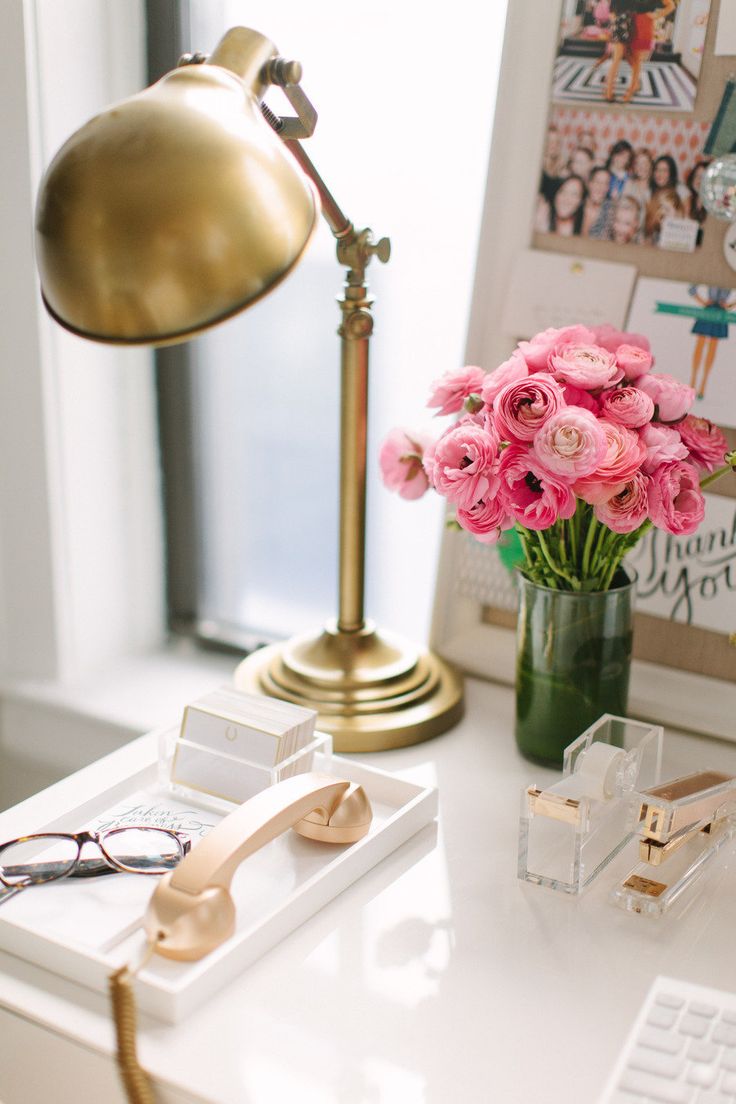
{"type": "Point", "coordinates": [570, 831]}
{"type": "Point", "coordinates": [191, 770]}
{"type": "Point", "coordinates": [231, 745]}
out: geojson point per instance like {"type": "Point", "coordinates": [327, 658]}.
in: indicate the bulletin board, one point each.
{"type": "Point", "coordinates": [685, 668]}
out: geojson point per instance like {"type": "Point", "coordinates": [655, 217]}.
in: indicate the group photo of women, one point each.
{"type": "Point", "coordinates": [619, 189]}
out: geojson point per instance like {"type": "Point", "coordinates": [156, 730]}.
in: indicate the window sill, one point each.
{"type": "Point", "coordinates": [49, 729]}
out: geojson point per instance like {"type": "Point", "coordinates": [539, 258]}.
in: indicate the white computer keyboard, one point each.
{"type": "Point", "coordinates": [681, 1048]}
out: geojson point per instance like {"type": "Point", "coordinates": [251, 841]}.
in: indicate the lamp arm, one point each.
{"type": "Point", "coordinates": [354, 250]}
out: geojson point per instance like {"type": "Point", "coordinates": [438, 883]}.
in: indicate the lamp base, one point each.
{"type": "Point", "coordinates": [373, 691]}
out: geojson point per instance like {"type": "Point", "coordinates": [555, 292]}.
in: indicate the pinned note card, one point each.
{"type": "Point", "coordinates": [553, 289]}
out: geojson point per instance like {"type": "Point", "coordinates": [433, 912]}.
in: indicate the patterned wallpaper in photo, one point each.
{"type": "Point", "coordinates": [683, 139]}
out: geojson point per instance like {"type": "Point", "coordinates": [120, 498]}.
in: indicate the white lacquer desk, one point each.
{"type": "Point", "coordinates": [437, 977]}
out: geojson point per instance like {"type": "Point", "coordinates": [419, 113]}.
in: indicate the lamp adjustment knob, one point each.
{"type": "Point", "coordinates": [359, 324]}
{"type": "Point", "coordinates": [281, 71]}
{"type": "Point", "coordinates": [380, 249]}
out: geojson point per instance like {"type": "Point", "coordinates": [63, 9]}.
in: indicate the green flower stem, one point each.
{"type": "Point", "coordinates": [706, 482]}
{"type": "Point", "coordinates": [582, 553]}
{"type": "Point", "coordinates": [555, 568]}
{"type": "Point", "coordinates": [589, 538]}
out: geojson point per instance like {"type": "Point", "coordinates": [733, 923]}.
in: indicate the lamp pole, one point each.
{"type": "Point", "coordinates": [372, 690]}
{"type": "Point", "coordinates": [354, 251]}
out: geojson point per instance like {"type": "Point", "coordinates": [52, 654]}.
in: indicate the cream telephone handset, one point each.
{"type": "Point", "coordinates": [192, 912]}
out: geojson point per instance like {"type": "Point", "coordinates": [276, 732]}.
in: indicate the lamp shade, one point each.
{"type": "Point", "coordinates": [173, 209]}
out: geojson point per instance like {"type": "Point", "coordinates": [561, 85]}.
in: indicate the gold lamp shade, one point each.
{"type": "Point", "coordinates": [174, 209]}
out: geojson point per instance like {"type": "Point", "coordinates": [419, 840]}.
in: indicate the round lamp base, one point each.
{"type": "Point", "coordinates": [373, 691]}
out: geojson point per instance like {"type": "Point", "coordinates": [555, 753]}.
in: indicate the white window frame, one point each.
{"type": "Point", "coordinates": [83, 658]}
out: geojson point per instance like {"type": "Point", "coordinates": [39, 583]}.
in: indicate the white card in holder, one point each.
{"type": "Point", "coordinates": [555, 289]}
{"type": "Point", "coordinates": [252, 728]}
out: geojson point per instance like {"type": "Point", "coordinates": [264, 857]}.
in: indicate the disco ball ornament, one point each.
{"type": "Point", "coordinates": [718, 187]}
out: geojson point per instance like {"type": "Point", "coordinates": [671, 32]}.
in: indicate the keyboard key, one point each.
{"type": "Point", "coordinates": [694, 1025]}
{"type": "Point", "coordinates": [652, 1061]}
{"type": "Point", "coordinates": [698, 1008]}
{"type": "Point", "coordinates": [728, 1084]}
{"type": "Point", "coordinates": [698, 1051]}
{"type": "Point", "coordinates": [707, 1097]}
{"type": "Point", "coordinates": [661, 1017]}
{"type": "Point", "coordinates": [654, 1088]}
{"type": "Point", "coordinates": [729, 1016]}
{"type": "Point", "coordinates": [669, 1000]}
{"type": "Point", "coordinates": [705, 1076]}
{"type": "Point", "coordinates": [666, 1041]}
{"type": "Point", "coordinates": [724, 1034]}
{"type": "Point", "coordinates": [728, 1059]}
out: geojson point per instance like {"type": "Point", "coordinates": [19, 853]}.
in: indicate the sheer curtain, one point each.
{"type": "Point", "coordinates": [406, 98]}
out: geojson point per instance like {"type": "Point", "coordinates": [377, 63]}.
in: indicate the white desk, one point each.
{"type": "Point", "coordinates": [438, 977]}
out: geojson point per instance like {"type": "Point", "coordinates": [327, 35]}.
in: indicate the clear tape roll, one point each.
{"type": "Point", "coordinates": [595, 773]}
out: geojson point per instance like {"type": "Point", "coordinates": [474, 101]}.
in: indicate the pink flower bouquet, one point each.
{"type": "Point", "coordinates": [575, 443]}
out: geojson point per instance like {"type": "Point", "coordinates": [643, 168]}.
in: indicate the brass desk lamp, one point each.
{"type": "Point", "coordinates": [169, 213]}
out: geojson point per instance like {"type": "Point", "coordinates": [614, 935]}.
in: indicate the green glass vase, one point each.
{"type": "Point", "coordinates": [573, 661]}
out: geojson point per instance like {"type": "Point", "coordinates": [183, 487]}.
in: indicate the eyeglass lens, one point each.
{"type": "Point", "coordinates": [41, 859]}
{"type": "Point", "coordinates": [142, 850]}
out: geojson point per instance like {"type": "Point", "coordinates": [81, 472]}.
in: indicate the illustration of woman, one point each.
{"type": "Point", "coordinates": [708, 332]}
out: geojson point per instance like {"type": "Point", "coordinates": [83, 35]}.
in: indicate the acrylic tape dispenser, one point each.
{"type": "Point", "coordinates": [570, 831]}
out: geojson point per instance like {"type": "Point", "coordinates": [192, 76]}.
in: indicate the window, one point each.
{"type": "Point", "coordinates": [250, 427]}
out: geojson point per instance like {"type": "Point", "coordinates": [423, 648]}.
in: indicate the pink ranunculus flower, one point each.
{"type": "Point", "coordinates": [633, 361]}
{"type": "Point", "coordinates": [486, 519]}
{"type": "Point", "coordinates": [536, 498]}
{"type": "Point", "coordinates": [575, 396]}
{"type": "Point", "coordinates": [400, 460]}
{"type": "Point", "coordinates": [611, 338]}
{"type": "Point", "coordinates": [672, 398]}
{"type": "Point", "coordinates": [515, 368]}
{"type": "Point", "coordinates": [571, 444]}
{"type": "Point", "coordinates": [629, 406]}
{"type": "Point", "coordinates": [663, 444]}
{"type": "Point", "coordinates": [622, 460]}
{"type": "Point", "coordinates": [704, 441]}
{"type": "Point", "coordinates": [587, 366]}
{"type": "Point", "coordinates": [676, 502]}
{"type": "Point", "coordinates": [450, 391]}
{"type": "Point", "coordinates": [628, 508]}
{"type": "Point", "coordinates": [464, 464]}
{"type": "Point", "coordinates": [522, 407]}
{"type": "Point", "coordinates": [536, 352]}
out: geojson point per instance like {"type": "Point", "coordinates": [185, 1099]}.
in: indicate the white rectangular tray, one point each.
{"type": "Point", "coordinates": [59, 926]}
